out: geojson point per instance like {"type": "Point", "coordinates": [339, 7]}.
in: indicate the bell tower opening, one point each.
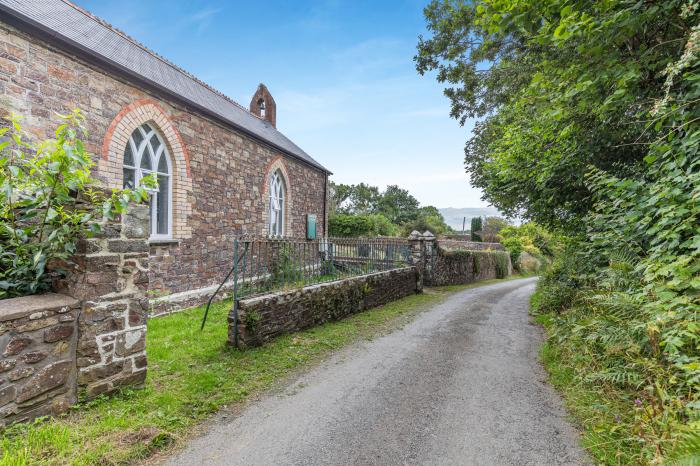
{"type": "Point", "coordinates": [263, 105]}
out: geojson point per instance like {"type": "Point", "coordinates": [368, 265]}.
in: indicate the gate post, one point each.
{"type": "Point", "coordinates": [422, 253]}
{"type": "Point", "coordinates": [110, 278]}
{"type": "Point", "coordinates": [429, 251]}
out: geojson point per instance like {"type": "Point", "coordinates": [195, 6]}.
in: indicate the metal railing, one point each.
{"type": "Point", "coordinates": [264, 265]}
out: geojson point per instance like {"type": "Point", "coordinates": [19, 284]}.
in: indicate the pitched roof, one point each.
{"type": "Point", "coordinates": [71, 26]}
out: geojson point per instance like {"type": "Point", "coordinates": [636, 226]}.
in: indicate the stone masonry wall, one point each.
{"type": "Point", "coordinates": [91, 337]}
{"type": "Point", "coordinates": [265, 317]}
{"type": "Point", "coordinates": [458, 267]}
{"type": "Point", "coordinates": [111, 279]}
{"type": "Point", "coordinates": [38, 336]}
{"type": "Point", "coordinates": [226, 169]}
{"type": "Point", "coordinates": [469, 245]}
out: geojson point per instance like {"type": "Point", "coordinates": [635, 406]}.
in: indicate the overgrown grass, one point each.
{"type": "Point", "coordinates": [602, 412]}
{"type": "Point", "coordinates": [191, 375]}
{"type": "Point", "coordinates": [620, 420]}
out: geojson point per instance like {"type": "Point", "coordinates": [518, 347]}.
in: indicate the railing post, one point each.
{"type": "Point", "coordinates": [233, 317]}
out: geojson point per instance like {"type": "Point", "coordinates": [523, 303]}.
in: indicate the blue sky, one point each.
{"type": "Point", "coordinates": [341, 73]}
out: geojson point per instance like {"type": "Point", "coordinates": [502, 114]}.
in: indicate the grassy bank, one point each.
{"type": "Point", "coordinates": [622, 421]}
{"type": "Point", "coordinates": [601, 411]}
{"type": "Point", "coordinates": [192, 374]}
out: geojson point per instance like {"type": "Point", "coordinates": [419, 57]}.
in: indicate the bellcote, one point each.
{"type": "Point", "coordinates": [263, 105]}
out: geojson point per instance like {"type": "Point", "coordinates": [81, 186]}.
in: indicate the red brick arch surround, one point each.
{"type": "Point", "coordinates": [117, 136]}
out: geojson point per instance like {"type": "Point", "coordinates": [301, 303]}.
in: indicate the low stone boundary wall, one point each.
{"type": "Point", "coordinates": [459, 267]}
{"type": "Point", "coordinates": [89, 338]}
{"type": "Point", "coordinates": [265, 317]}
{"type": "Point", "coordinates": [37, 370]}
{"type": "Point", "coordinates": [469, 245]}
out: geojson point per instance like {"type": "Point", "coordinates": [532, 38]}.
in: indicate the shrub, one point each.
{"type": "Point", "coordinates": [557, 288]}
{"type": "Point", "coordinates": [351, 225]}
{"type": "Point", "coordinates": [532, 239]}
{"type": "Point", "coordinates": [48, 202]}
{"type": "Point", "coordinates": [501, 259]}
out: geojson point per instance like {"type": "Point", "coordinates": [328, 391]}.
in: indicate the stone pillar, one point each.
{"type": "Point", "coordinates": [422, 250]}
{"type": "Point", "coordinates": [414, 240]}
{"type": "Point", "coordinates": [111, 281]}
{"type": "Point", "coordinates": [429, 251]}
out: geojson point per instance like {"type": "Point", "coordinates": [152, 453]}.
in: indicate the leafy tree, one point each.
{"type": "Point", "coordinates": [591, 125]}
{"type": "Point", "coordinates": [561, 85]}
{"type": "Point", "coordinates": [476, 225]}
{"type": "Point", "coordinates": [351, 225]}
{"type": "Point", "coordinates": [492, 226]}
{"type": "Point", "coordinates": [530, 238]}
{"type": "Point", "coordinates": [362, 210]}
{"type": "Point", "coordinates": [354, 199]}
{"type": "Point", "coordinates": [48, 201]}
{"type": "Point", "coordinates": [365, 199]}
{"type": "Point", "coordinates": [338, 196]}
{"type": "Point", "coordinates": [398, 205]}
{"type": "Point", "coordinates": [430, 219]}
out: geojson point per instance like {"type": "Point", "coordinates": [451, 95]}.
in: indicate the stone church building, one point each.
{"type": "Point", "coordinates": [223, 170]}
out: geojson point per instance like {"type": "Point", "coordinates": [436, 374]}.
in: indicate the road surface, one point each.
{"type": "Point", "coordinates": [460, 385]}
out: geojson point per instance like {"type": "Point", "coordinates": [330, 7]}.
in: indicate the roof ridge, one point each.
{"type": "Point", "coordinates": [154, 54]}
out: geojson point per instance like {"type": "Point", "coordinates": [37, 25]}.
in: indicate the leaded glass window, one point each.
{"type": "Point", "coordinates": [277, 200]}
{"type": "Point", "coordinates": [145, 154]}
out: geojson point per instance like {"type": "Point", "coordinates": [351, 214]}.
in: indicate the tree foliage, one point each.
{"type": "Point", "coordinates": [476, 226]}
{"type": "Point", "coordinates": [350, 225]}
{"type": "Point", "coordinates": [532, 239]}
{"type": "Point", "coordinates": [560, 85]}
{"type": "Point", "coordinates": [385, 213]}
{"type": "Point", "coordinates": [491, 227]}
{"type": "Point", "coordinates": [429, 219]}
{"type": "Point", "coordinates": [48, 202]}
{"type": "Point", "coordinates": [590, 124]}
{"type": "Point", "coordinates": [398, 205]}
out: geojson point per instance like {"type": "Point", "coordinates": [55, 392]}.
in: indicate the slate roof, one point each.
{"type": "Point", "coordinates": [67, 24]}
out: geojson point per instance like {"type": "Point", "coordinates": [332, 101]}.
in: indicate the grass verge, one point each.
{"type": "Point", "coordinates": [191, 375]}
{"type": "Point", "coordinates": [601, 411]}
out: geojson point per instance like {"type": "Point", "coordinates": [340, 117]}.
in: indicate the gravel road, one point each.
{"type": "Point", "coordinates": [460, 385]}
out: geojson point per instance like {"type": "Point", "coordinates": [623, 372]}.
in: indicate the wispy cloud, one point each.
{"type": "Point", "coordinates": [377, 57]}
{"type": "Point", "coordinates": [202, 18]}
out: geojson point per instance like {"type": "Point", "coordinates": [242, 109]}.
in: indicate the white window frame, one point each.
{"type": "Point", "coordinates": [277, 195]}
{"type": "Point", "coordinates": [147, 133]}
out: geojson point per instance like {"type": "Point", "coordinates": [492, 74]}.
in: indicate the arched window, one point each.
{"type": "Point", "coordinates": [146, 153]}
{"type": "Point", "coordinates": [277, 200]}
{"type": "Point", "coordinates": [261, 106]}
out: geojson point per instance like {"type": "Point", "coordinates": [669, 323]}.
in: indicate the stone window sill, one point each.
{"type": "Point", "coordinates": [163, 242]}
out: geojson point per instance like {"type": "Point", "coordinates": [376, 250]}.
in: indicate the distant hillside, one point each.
{"type": "Point", "coordinates": [455, 215]}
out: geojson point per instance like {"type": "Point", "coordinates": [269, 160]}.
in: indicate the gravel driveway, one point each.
{"type": "Point", "coordinates": [460, 385]}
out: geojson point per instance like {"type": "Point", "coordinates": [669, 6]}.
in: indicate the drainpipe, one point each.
{"type": "Point", "coordinates": [325, 207]}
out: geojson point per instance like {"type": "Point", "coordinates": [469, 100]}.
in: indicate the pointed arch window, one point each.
{"type": "Point", "coordinates": [277, 201]}
{"type": "Point", "coordinates": [146, 153]}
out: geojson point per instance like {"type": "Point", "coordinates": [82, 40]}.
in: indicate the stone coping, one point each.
{"type": "Point", "coordinates": [314, 286]}
{"type": "Point", "coordinates": [16, 308]}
